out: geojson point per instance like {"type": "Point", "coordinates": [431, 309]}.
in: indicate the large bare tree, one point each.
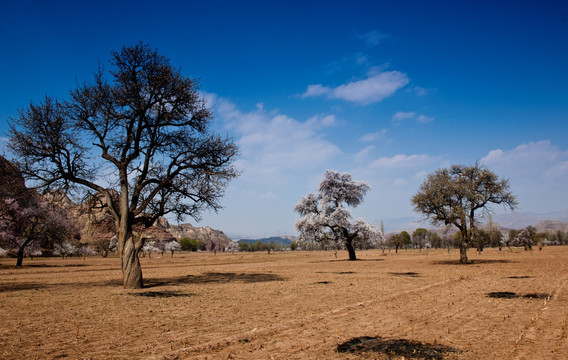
{"type": "Point", "coordinates": [454, 195]}
{"type": "Point", "coordinates": [139, 135]}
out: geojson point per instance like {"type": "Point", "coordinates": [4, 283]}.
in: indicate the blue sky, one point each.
{"type": "Point", "coordinates": [388, 91]}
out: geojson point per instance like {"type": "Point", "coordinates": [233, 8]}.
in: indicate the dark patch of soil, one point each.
{"type": "Point", "coordinates": [537, 296]}
{"type": "Point", "coordinates": [408, 273]}
{"type": "Point", "coordinates": [502, 295]}
{"type": "Point", "coordinates": [395, 348]}
{"type": "Point", "coordinates": [512, 295]}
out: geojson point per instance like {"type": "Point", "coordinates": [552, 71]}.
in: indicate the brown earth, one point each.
{"type": "Point", "coordinates": [293, 305]}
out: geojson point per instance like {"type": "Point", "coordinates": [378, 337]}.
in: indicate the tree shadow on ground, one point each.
{"type": "Point", "coordinates": [473, 262]}
{"type": "Point", "coordinates": [408, 274]}
{"type": "Point", "coordinates": [214, 277]}
{"type": "Point", "coordinates": [38, 265]}
{"type": "Point", "coordinates": [395, 348]}
{"type": "Point", "coordinates": [161, 294]}
{"type": "Point", "coordinates": [22, 286]}
{"type": "Point", "coordinates": [512, 295]}
{"type": "Point", "coordinates": [345, 260]}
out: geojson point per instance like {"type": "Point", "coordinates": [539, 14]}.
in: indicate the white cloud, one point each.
{"type": "Point", "coordinates": [534, 158]}
{"type": "Point", "coordinates": [418, 90]}
{"type": "Point", "coordinates": [374, 136]}
{"type": "Point", "coordinates": [373, 89]}
{"type": "Point", "coordinates": [322, 121]}
{"type": "Point", "coordinates": [538, 173]}
{"type": "Point", "coordinates": [404, 161]}
{"type": "Point", "coordinates": [400, 116]}
{"type": "Point", "coordinates": [316, 90]}
{"type": "Point", "coordinates": [273, 145]}
{"type": "Point", "coordinates": [363, 154]}
{"type": "Point", "coordinates": [425, 119]}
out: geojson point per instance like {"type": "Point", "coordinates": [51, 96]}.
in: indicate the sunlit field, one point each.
{"type": "Point", "coordinates": [290, 305]}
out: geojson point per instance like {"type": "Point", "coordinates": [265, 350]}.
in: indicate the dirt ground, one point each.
{"type": "Point", "coordinates": [290, 305]}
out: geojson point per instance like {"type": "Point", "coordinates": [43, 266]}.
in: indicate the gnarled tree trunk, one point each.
{"type": "Point", "coordinates": [350, 250]}
{"type": "Point", "coordinates": [130, 262]}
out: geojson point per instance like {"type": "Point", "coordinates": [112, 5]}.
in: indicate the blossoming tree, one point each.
{"type": "Point", "coordinates": [325, 217]}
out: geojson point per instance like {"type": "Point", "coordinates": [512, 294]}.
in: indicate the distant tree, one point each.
{"type": "Point", "coordinates": [397, 241]}
{"type": "Point", "coordinates": [186, 244]}
{"type": "Point", "coordinates": [102, 247]}
{"type": "Point", "coordinates": [145, 122]}
{"type": "Point", "coordinates": [28, 221]}
{"type": "Point", "coordinates": [293, 245]}
{"type": "Point", "coordinates": [405, 239]}
{"type": "Point", "coordinates": [65, 249]}
{"type": "Point", "coordinates": [84, 250]}
{"type": "Point", "coordinates": [270, 247]}
{"type": "Point", "coordinates": [243, 246]}
{"type": "Point", "coordinates": [325, 217]}
{"type": "Point", "coordinates": [525, 238]}
{"type": "Point", "coordinates": [28, 226]}
{"type": "Point", "coordinates": [454, 195]}
{"type": "Point", "coordinates": [480, 239]}
{"type": "Point", "coordinates": [172, 246]}
{"type": "Point", "coordinates": [435, 240]}
{"type": "Point", "coordinates": [149, 248]}
{"type": "Point", "coordinates": [420, 237]}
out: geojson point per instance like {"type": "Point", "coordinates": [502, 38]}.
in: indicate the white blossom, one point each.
{"type": "Point", "coordinates": [325, 218]}
{"type": "Point", "coordinates": [172, 247]}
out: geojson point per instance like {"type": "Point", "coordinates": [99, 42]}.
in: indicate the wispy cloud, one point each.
{"type": "Point", "coordinates": [374, 136]}
{"type": "Point", "coordinates": [373, 38]}
{"type": "Point", "coordinates": [411, 115]}
{"type": "Point", "coordinates": [403, 115]}
{"type": "Point", "coordinates": [404, 161]}
{"type": "Point", "coordinates": [425, 119]}
{"type": "Point", "coordinates": [373, 89]}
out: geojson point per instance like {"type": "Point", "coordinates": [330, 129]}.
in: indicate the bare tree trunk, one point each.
{"type": "Point", "coordinates": [350, 250]}
{"type": "Point", "coordinates": [463, 253]}
{"type": "Point", "coordinates": [20, 259]}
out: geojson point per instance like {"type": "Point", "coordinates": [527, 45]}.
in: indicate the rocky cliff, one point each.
{"type": "Point", "coordinates": [214, 239]}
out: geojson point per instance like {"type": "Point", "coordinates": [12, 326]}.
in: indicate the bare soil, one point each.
{"type": "Point", "coordinates": [290, 305]}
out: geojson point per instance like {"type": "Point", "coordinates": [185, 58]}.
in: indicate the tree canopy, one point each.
{"type": "Point", "coordinates": [139, 136]}
{"type": "Point", "coordinates": [456, 194]}
{"type": "Point", "coordinates": [325, 218]}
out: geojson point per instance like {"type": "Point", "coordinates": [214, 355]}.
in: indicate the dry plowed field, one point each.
{"type": "Point", "coordinates": [293, 305]}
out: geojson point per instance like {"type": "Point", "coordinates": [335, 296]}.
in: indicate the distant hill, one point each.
{"type": "Point", "coordinates": [552, 226]}
{"type": "Point", "coordinates": [516, 220]}
{"type": "Point", "coordinates": [280, 240]}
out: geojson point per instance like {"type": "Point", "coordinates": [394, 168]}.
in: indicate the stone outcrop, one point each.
{"type": "Point", "coordinates": [213, 239]}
